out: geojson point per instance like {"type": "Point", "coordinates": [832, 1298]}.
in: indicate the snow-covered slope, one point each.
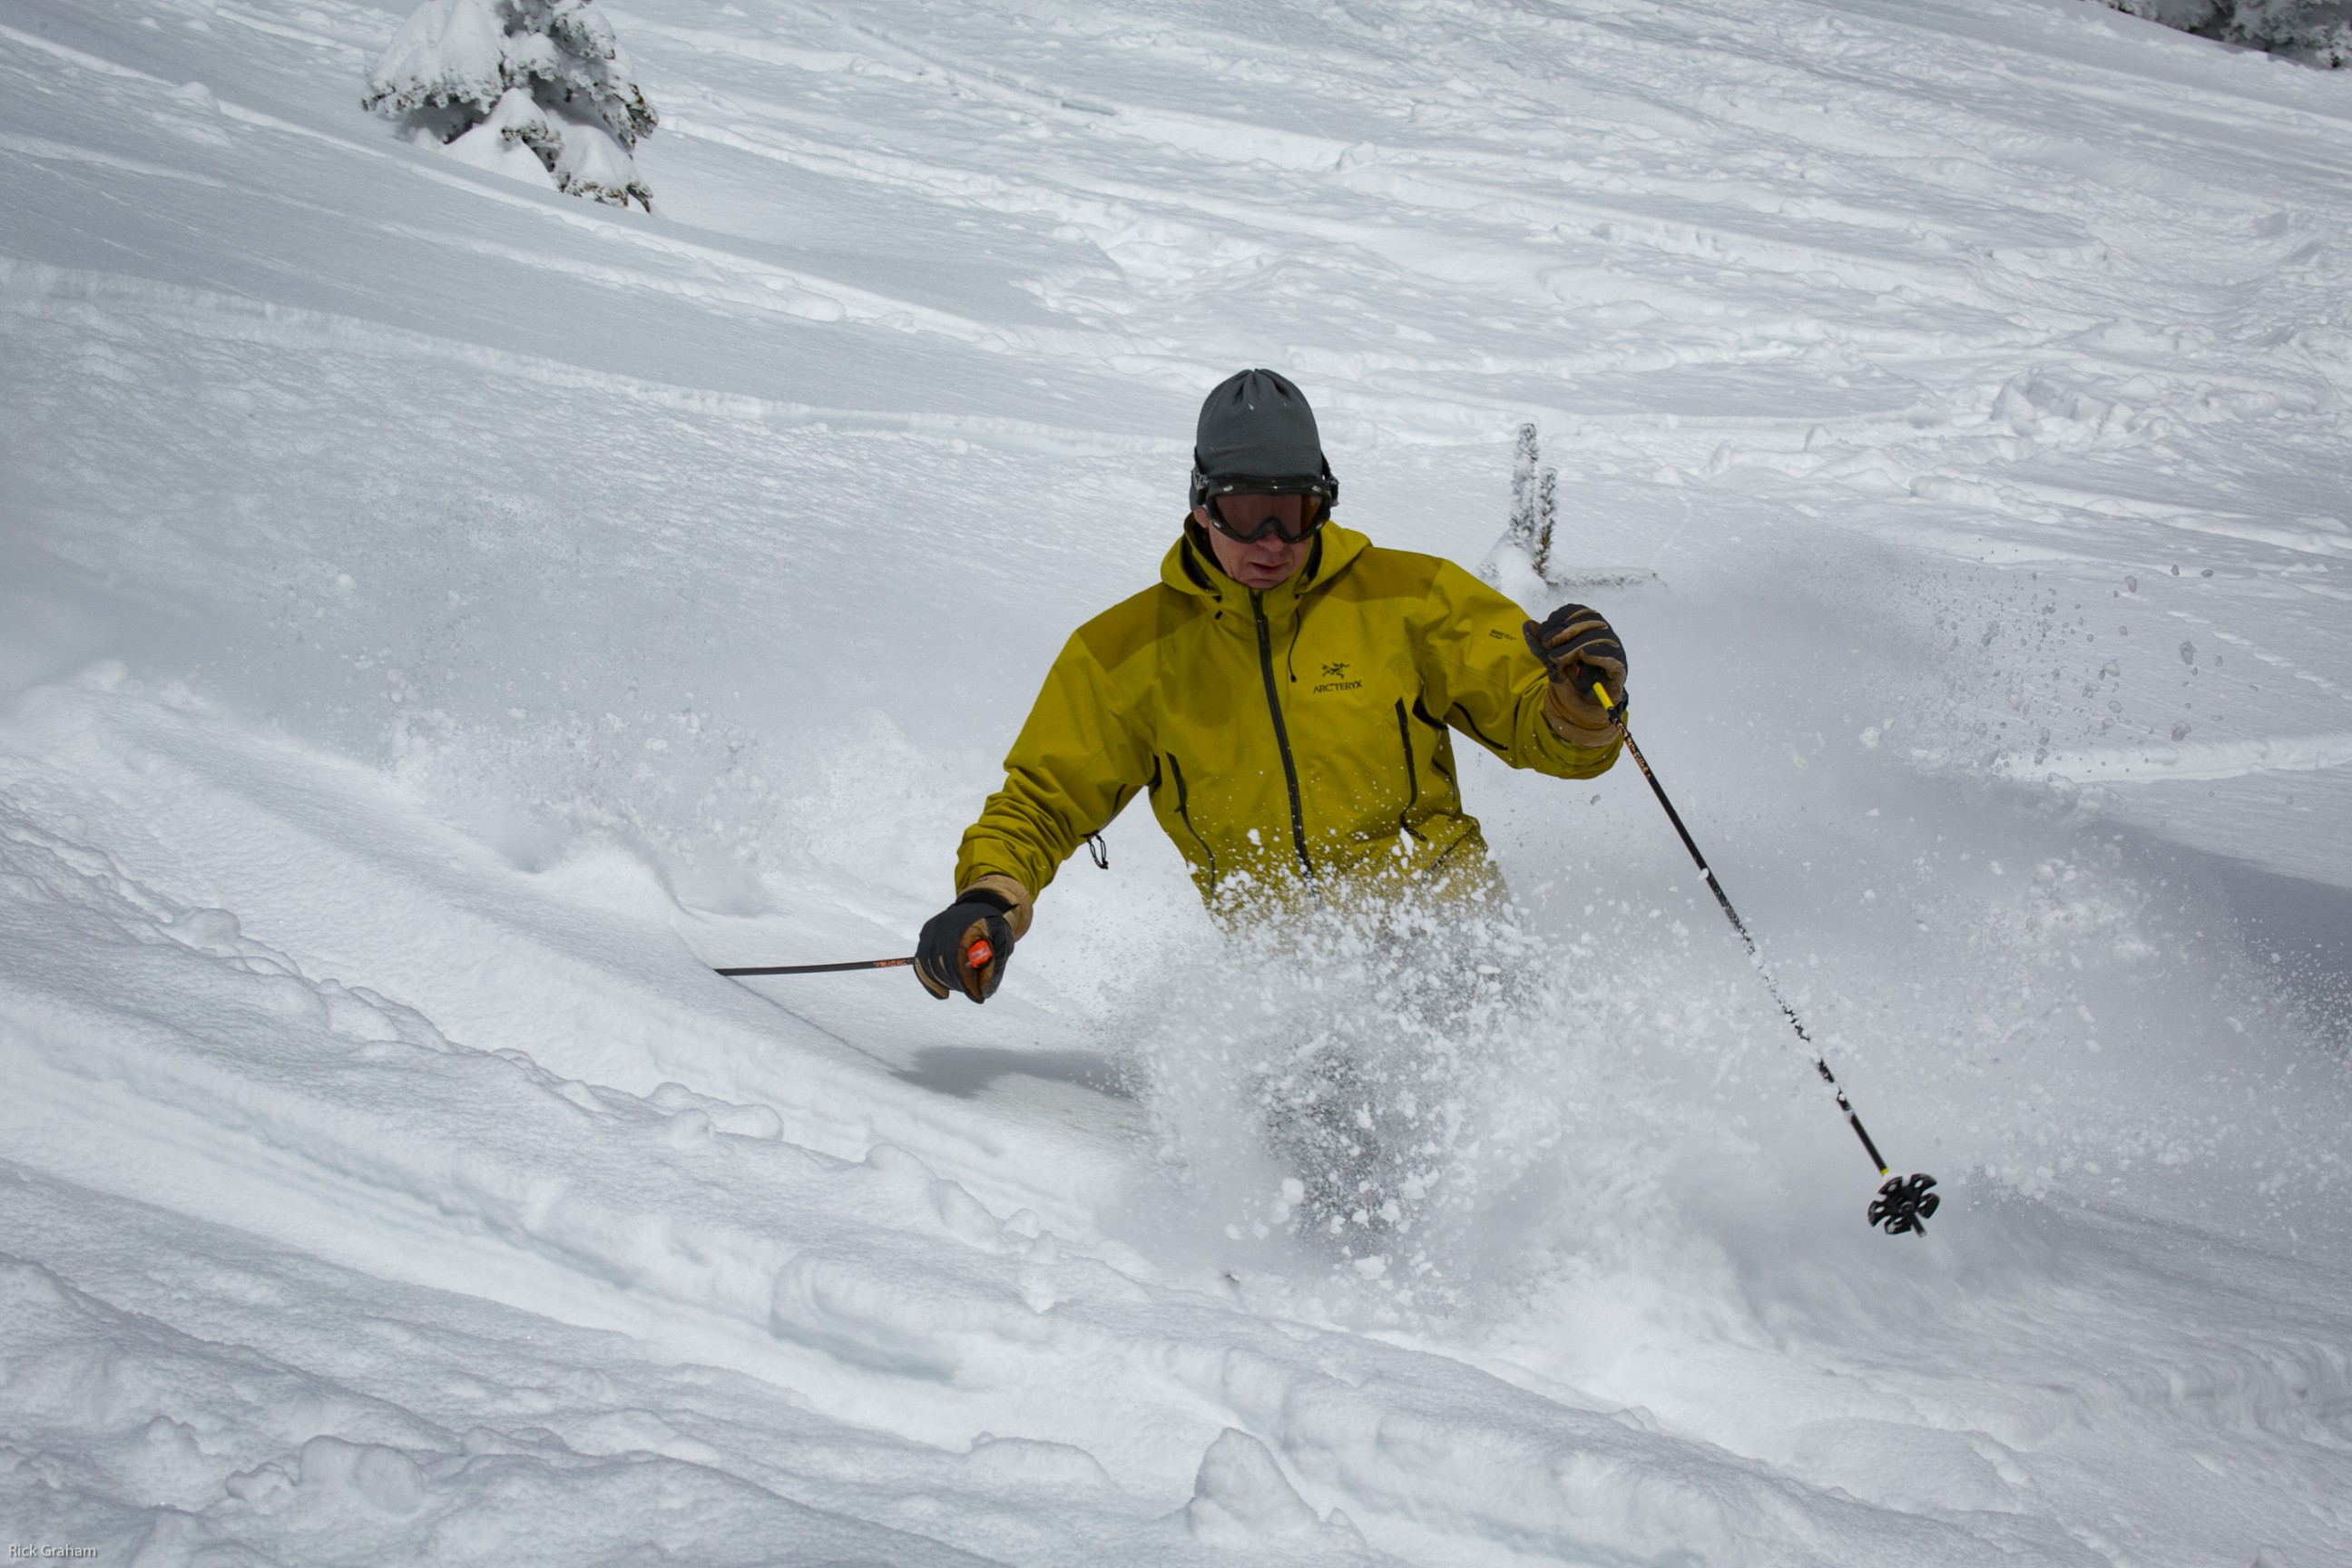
{"type": "Point", "coordinates": [439, 617]}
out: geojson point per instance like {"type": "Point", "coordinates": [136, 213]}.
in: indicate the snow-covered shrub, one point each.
{"type": "Point", "coordinates": [2318, 31]}
{"type": "Point", "coordinates": [493, 79]}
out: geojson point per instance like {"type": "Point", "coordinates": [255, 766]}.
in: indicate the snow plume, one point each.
{"type": "Point", "coordinates": [496, 78]}
{"type": "Point", "coordinates": [1411, 1116]}
{"type": "Point", "coordinates": [2317, 31]}
{"type": "Point", "coordinates": [1346, 1086]}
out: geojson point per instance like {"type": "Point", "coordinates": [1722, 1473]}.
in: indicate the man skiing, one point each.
{"type": "Point", "coordinates": [1285, 696]}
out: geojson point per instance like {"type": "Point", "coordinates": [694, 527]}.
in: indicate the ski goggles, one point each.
{"type": "Point", "coordinates": [1320, 489]}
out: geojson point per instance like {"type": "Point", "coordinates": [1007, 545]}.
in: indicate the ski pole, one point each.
{"type": "Point", "coordinates": [979, 955]}
{"type": "Point", "coordinates": [1904, 1203]}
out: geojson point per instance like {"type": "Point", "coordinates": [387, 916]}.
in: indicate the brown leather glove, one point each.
{"type": "Point", "coordinates": [994, 910]}
{"type": "Point", "coordinates": [1576, 646]}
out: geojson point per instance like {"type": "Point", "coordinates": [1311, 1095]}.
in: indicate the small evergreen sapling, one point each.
{"type": "Point", "coordinates": [492, 77]}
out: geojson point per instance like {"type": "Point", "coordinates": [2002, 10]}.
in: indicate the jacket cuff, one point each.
{"type": "Point", "coordinates": [1568, 726]}
{"type": "Point", "coordinates": [1020, 909]}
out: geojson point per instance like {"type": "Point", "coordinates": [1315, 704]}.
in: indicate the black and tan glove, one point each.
{"type": "Point", "coordinates": [966, 946]}
{"type": "Point", "coordinates": [1576, 644]}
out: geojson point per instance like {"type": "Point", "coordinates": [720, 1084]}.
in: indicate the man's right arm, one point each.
{"type": "Point", "coordinates": [1075, 766]}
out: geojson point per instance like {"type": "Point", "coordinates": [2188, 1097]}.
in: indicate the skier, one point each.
{"type": "Point", "coordinates": [1284, 695]}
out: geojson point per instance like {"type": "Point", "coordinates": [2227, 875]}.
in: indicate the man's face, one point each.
{"type": "Point", "coordinates": [1262, 562]}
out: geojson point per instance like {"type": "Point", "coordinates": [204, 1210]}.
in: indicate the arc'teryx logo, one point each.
{"type": "Point", "coordinates": [1337, 667]}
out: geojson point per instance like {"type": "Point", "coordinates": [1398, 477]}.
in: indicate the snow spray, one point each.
{"type": "Point", "coordinates": [1904, 1203]}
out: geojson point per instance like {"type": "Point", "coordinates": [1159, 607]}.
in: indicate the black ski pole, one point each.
{"type": "Point", "coordinates": [978, 955]}
{"type": "Point", "coordinates": [1904, 1203]}
{"type": "Point", "coordinates": [817, 968]}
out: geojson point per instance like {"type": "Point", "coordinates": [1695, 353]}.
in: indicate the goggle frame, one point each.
{"type": "Point", "coordinates": [1206, 492]}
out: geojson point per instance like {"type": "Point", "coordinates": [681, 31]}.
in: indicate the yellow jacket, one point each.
{"type": "Point", "coordinates": [1288, 739]}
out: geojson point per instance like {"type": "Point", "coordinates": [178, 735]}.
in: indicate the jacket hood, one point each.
{"type": "Point", "coordinates": [1189, 568]}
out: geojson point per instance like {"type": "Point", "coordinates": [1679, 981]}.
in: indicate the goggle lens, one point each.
{"type": "Point", "coordinates": [1290, 524]}
{"type": "Point", "coordinates": [1315, 492]}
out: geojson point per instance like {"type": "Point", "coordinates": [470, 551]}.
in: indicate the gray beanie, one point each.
{"type": "Point", "coordinates": [1257, 425]}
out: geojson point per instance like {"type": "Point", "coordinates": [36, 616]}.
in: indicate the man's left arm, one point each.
{"type": "Point", "coordinates": [1481, 678]}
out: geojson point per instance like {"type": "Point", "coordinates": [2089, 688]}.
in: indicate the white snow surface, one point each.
{"type": "Point", "coordinates": [439, 618]}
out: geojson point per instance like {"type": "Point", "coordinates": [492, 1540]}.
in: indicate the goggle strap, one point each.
{"type": "Point", "coordinates": [1322, 484]}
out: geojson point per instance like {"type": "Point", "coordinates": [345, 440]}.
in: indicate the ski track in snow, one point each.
{"type": "Point", "coordinates": [439, 617]}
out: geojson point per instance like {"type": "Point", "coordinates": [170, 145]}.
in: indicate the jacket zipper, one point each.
{"type": "Point", "coordinates": [1412, 774]}
{"type": "Point", "coordinates": [1281, 732]}
{"type": "Point", "coordinates": [1184, 810]}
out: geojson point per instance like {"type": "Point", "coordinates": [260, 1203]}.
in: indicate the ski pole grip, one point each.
{"type": "Point", "coordinates": [979, 954]}
{"type": "Point", "coordinates": [1583, 676]}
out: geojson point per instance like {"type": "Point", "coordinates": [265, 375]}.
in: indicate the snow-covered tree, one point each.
{"type": "Point", "coordinates": [496, 78]}
{"type": "Point", "coordinates": [1522, 556]}
{"type": "Point", "coordinates": [1535, 490]}
{"type": "Point", "coordinates": [1523, 491]}
{"type": "Point", "coordinates": [2319, 31]}
{"type": "Point", "coordinates": [1524, 562]}
{"type": "Point", "coordinates": [1547, 504]}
